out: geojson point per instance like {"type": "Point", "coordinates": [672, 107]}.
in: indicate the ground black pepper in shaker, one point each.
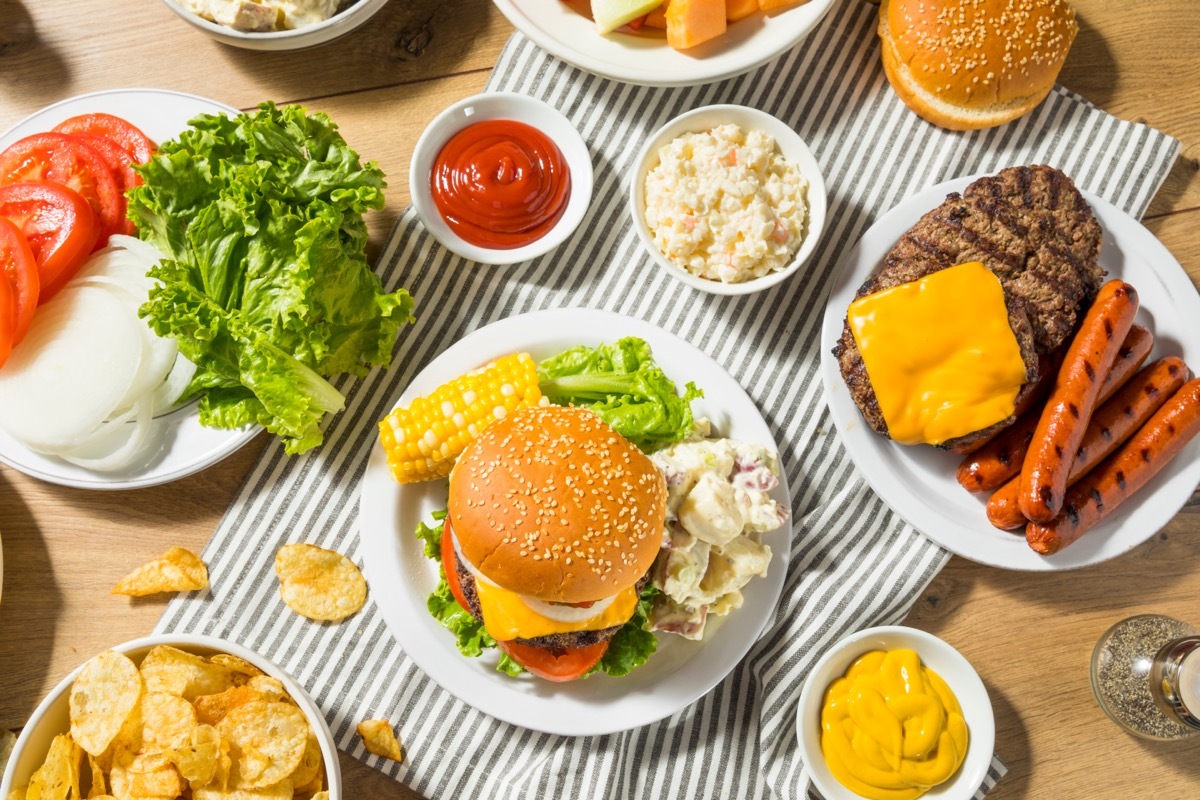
{"type": "Point", "coordinates": [1145, 670]}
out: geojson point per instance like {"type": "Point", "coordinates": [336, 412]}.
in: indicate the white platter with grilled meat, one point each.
{"type": "Point", "coordinates": [919, 484]}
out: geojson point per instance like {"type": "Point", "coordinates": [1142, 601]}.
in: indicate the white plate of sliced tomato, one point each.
{"type": "Point", "coordinates": [64, 171]}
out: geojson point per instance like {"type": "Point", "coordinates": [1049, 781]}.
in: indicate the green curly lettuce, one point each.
{"type": "Point", "coordinates": [265, 283]}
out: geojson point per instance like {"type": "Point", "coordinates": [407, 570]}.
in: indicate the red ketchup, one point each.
{"type": "Point", "coordinates": [500, 184]}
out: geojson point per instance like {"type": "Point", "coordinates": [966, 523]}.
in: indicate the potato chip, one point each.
{"type": "Point", "coordinates": [178, 570]}
{"type": "Point", "coordinates": [314, 786]}
{"type": "Point", "coordinates": [58, 776]}
{"type": "Point", "coordinates": [168, 669]}
{"type": "Point", "coordinates": [128, 782]}
{"type": "Point", "coordinates": [99, 787]}
{"type": "Point", "coordinates": [379, 739]}
{"type": "Point", "coordinates": [258, 731]}
{"type": "Point", "coordinates": [7, 740]}
{"type": "Point", "coordinates": [167, 721]}
{"type": "Point", "coordinates": [238, 666]}
{"type": "Point", "coordinates": [278, 791]}
{"type": "Point", "coordinates": [310, 764]}
{"type": "Point", "coordinates": [270, 688]}
{"type": "Point", "coordinates": [197, 763]}
{"type": "Point", "coordinates": [319, 584]}
{"type": "Point", "coordinates": [212, 708]}
{"type": "Point", "coordinates": [320, 796]}
{"type": "Point", "coordinates": [17, 794]}
{"type": "Point", "coordinates": [107, 690]}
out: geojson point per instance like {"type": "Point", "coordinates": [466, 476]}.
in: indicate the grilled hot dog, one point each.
{"type": "Point", "coordinates": [1072, 400]}
{"type": "Point", "coordinates": [1127, 470]}
{"type": "Point", "coordinates": [1001, 458]}
{"type": "Point", "coordinates": [1113, 423]}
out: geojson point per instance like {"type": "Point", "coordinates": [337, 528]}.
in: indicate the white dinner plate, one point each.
{"type": "Point", "coordinates": [184, 446]}
{"type": "Point", "coordinates": [919, 482]}
{"type": "Point", "coordinates": [647, 59]}
{"type": "Point", "coordinates": [401, 577]}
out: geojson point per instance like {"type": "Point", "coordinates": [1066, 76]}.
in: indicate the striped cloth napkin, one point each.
{"type": "Point", "coordinates": [854, 564]}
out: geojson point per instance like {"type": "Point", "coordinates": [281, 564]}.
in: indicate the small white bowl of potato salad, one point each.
{"type": "Point", "coordinates": [895, 712]}
{"type": "Point", "coordinates": [728, 199]}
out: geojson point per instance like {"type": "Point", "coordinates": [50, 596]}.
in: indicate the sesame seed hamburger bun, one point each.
{"type": "Point", "coordinates": [966, 64]}
{"type": "Point", "coordinates": [551, 502]}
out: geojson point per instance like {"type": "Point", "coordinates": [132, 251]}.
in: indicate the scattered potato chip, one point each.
{"type": "Point", "coordinates": [279, 791]}
{"type": "Point", "coordinates": [171, 670]}
{"type": "Point", "coordinates": [178, 570]}
{"type": "Point", "coordinates": [380, 739]}
{"type": "Point", "coordinates": [7, 740]}
{"type": "Point", "coordinates": [319, 584]}
{"type": "Point", "coordinates": [274, 733]}
{"type": "Point", "coordinates": [103, 696]}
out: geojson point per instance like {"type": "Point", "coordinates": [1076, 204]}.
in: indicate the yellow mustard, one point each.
{"type": "Point", "coordinates": [891, 729]}
{"type": "Point", "coordinates": [940, 353]}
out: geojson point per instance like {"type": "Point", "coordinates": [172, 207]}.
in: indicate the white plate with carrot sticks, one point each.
{"type": "Point", "coordinates": [402, 577]}
{"type": "Point", "coordinates": [919, 483]}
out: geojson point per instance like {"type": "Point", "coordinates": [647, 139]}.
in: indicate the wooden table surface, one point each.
{"type": "Point", "coordinates": [1029, 636]}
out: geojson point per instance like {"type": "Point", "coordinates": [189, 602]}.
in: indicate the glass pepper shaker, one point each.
{"type": "Point", "coordinates": [1146, 676]}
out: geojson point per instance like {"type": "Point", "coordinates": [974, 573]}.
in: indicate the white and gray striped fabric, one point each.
{"type": "Point", "coordinates": [853, 564]}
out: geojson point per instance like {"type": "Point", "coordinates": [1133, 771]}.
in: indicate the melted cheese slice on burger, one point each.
{"type": "Point", "coordinates": [940, 353]}
{"type": "Point", "coordinates": [507, 615]}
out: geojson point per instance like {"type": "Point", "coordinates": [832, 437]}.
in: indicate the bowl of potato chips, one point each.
{"type": "Point", "coordinates": [176, 716]}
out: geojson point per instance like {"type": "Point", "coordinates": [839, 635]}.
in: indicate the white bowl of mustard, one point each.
{"type": "Point", "coordinates": [936, 656]}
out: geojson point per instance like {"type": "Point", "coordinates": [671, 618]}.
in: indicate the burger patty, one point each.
{"type": "Point", "coordinates": [1032, 228]}
{"type": "Point", "coordinates": [576, 639]}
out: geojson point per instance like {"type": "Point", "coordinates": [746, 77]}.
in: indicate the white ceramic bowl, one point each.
{"type": "Point", "coordinates": [645, 59]}
{"type": "Point", "coordinates": [50, 718]}
{"type": "Point", "coordinates": [339, 24]}
{"type": "Point", "coordinates": [509, 106]}
{"type": "Point", "coordinates": [943, 659]}
{"type": "Point", "coordinates": [787, 142]}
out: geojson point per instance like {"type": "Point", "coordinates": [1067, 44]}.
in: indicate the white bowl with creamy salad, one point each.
{"type": "Point", "coordinates": [728, 199]}
{"type": "Point", "coordinates": [275, 24]}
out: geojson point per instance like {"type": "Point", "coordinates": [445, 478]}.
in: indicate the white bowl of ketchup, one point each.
{"type": "Point", "coordinates": [500, 178]}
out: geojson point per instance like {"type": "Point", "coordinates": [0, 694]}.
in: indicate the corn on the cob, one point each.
{"type": "Point", "coordinates": [423, 440]}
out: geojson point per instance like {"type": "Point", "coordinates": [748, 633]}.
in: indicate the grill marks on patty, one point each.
{"type": "Point", "coordinates": [1028, 225]}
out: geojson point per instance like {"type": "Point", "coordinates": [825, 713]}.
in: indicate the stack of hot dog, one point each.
{"type": "Point", "coordinates": [1102, 434]}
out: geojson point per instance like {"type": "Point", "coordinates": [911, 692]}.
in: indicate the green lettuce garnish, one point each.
{"type": "Point", "coordinates": [623, 385]}
{"type": "Point", "coordinates": [265, 283]}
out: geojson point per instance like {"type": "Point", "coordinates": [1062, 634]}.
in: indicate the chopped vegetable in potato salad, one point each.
{"type": "Point", "coordinates": [718, 506]}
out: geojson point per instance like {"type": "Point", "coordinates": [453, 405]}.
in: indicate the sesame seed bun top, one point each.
{"type": "Point", "coordinates": [974, 63]}
{"type": "Point", "coordinates": [552, 502]}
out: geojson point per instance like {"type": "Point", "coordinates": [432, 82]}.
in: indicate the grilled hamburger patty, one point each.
{"type": "Point", "coordinates": [1028, 225]}
{"type": "Point", "coordinates": [576, 639]}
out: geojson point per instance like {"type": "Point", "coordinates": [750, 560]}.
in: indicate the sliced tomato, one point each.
{"type": "Point", "coordinates": [19, 264]}
{"type": "Point", "coordinates": [128, 136]}
{"type": "Point", "coordinates": [449, 564]}
{"type": "Point", "coordinates": [558, 664]}
{"type": "Point", "coordinates": [8, 317]}
{"type": "Point", "coordinates": [64, 159]}
{"type": "Point", "coordinates": [57, 223]}
{"type": "Point", "coordinates": [120, 164]}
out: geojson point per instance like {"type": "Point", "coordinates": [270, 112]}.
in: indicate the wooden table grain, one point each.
{"type": "Point", "coordinates": [1029, 635]}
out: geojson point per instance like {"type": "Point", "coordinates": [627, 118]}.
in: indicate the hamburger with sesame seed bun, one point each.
{"type": "Point", "coordinates": [554, 521]}
{"type": "Point", "coordinates": [966, 64]}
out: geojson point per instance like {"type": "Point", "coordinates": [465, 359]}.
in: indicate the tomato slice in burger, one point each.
{"type": "Point", "coordinates": [17, 262]}
{"type": "Point", "coordinates": [558, 664]}
{"type": "Point", "coordinates": [65, 160]}
{"type": "Point", "coordinates": [57, 223]}
{"type": "Point", "coordinates": [128, 136]}
{"type": "Point", "coordinates": [449, 564]}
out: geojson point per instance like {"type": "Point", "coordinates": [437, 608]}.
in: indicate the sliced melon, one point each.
{"type": "Point", "coordinates": [612, 14]}
{"type": "Point", "coordinates": [692, 22]}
